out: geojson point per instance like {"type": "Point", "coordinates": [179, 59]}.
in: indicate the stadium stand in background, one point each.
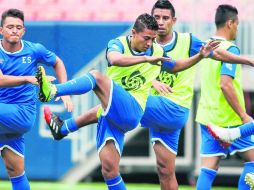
{"type": "Point", "coordinates": [120, 10]}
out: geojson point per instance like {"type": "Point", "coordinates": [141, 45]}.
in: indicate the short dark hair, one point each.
{"type": "Point", "coordinates": [145, 21]}
{"type": "Point", "coordinates": [224, 13]}
{"type": "Point", "coordinates": [12, 13]}
{"type": "Point", "coordinates": [164, 4]}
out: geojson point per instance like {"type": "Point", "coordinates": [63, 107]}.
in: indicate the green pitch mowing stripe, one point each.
{"type": "Point", "coordinates": [5, 185]}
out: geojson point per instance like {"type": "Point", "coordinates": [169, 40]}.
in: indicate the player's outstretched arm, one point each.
{"type": "Point", "coordinates": [226, 56]}
{"type": "Point", "coordinates": [11, 81]}
{"type": "Point", "coordinates": [205, 51]}
{"type": "Point", "coordinates": [119, 59]}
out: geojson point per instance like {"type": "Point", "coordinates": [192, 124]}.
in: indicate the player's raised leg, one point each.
{"type": "Point", "coordinates": [48, 91]}
{"type": "Point", "coordinates": [227, 135]}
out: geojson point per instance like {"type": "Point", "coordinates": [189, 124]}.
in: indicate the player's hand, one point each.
{"type": "Point", "coordinates": [162, 88]}
{"type": "Point", "coordinates": [50, 78]}
{"type": "Point", "coordinates": [31, 79]}
{"type": "Point", "coordinates": [157, 60]}
{"type": "Point", "coordinates": [206, 49]}
{"type": "Point", "coordinates": [252, 62]}
{"type": "Point", "coordinates": [246, 118]}
{"type": "Point", "coordinates": [67, 102]}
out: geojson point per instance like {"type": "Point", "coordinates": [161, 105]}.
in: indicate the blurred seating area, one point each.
{"type": "Point", "coordinates": [120, 10]}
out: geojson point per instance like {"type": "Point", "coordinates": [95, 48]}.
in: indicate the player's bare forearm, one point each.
{"type": "Point", "coordinates": [60, 70]}
{"type": "Point", "coordinates": [11, 81]}
{"type": "Point", "coordinates": [118, 59]}
{"type": "Point", "coordinates": [62, 77]}
{"type": "Point", "coordinates": [225, 56]}
{"type": "Point", "coordinates": [183, 64]}
{"type": "Point", "coordinates": [189, 62]}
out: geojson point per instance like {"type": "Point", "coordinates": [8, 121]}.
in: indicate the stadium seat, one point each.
{"type": "Point", "coordinates": [120, 10]}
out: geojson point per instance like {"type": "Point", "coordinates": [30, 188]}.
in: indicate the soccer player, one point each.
{"type": "Point", "coordinates": [18, 63]}
{"type": "Point", "coordinates": [222, 103]}
{"type": "Point", "coordinates": [134, 62]}
{"type": "Point", "coordinates": [173, 107]}
{"type": "Point", "coordinates": [166, 113]}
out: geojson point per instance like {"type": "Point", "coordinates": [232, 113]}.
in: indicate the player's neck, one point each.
{"type": "Point", "coordinates": [164, 39]}
{"type": "Point", "coordinates": [222, 33]}
{"type": "Point", "coordinates": [11, 47]}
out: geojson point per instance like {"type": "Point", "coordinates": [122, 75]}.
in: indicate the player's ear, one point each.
{"type": "Point", "coordinates": [1, 30]}
{"type": "Point", "coordinates": [174, 20]}
{"type": "Point", "coordinates": [24, 31]}
{"type": "Point", "coordinates": [133, 32]}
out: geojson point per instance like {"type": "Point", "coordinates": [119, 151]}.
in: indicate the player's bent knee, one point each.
{"type": "Point", "coordinates": [96, 74]}
{"type": "Point", "coordinates": [99, 77]}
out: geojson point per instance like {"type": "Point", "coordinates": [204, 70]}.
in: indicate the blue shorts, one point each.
{"type": "Point", "coordinates": [15, 145]}
{"type": "Point", "coordinates": [122, 115]}
{"type": "Point", "coordinates": [168, 139]}
{"type": "Point", "coordinates": [163, 115]}
{"type": "Point", "coordinates": [165, 119]}
{"type": "Point", "coordinates": [15, 120]}
{"type": "Point", "coordinates": [211, 147]}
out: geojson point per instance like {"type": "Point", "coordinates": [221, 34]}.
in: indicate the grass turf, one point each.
{"type": "Point", "coordinates": [5, 185]}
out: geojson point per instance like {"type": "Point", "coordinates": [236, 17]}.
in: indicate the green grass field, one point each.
{"type": "Point", "coordinates": [5, 185]}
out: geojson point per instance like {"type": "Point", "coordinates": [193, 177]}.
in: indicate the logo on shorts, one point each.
{"type": "Point", "coordinates": [134, 81]}
{"type": "Point", "coordinates": [167, 78]}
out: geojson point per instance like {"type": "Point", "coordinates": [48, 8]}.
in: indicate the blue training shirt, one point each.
{"type": "Point", "coordinates": [23, 63]}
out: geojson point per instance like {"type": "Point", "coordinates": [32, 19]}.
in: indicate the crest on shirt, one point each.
{"type": "Point", "coordinates": [167, 78]}
{"type": "Point", "coordinates": [133, 81]}
{"type": "Point", "coordinates": [1, 61]}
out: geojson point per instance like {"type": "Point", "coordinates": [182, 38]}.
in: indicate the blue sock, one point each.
{"type": "Point", "coordinates": [69, 126]}
{"type": "Point", "coordinates": [247, 129]}
{"type": "Point", "coordinates": [248, 167]}
{"type": "Point", "coordinates": [76, 86]}
{"type": "Point", "coordinates": [115, 183]}
{"type": "Point", "coordinates": [20, 182]}
{"type": "Point", "coordinates": [206, 178]}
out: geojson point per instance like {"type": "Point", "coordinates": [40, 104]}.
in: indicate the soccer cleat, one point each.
{"type": "Point", "coordinates": [220, 134]}
{"type": "Point", "coordinates": [54, 122]}
{"type": "Point", "coordinates": [249, 179]}
{"type": "Point", "coordinates": [47, 89]}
